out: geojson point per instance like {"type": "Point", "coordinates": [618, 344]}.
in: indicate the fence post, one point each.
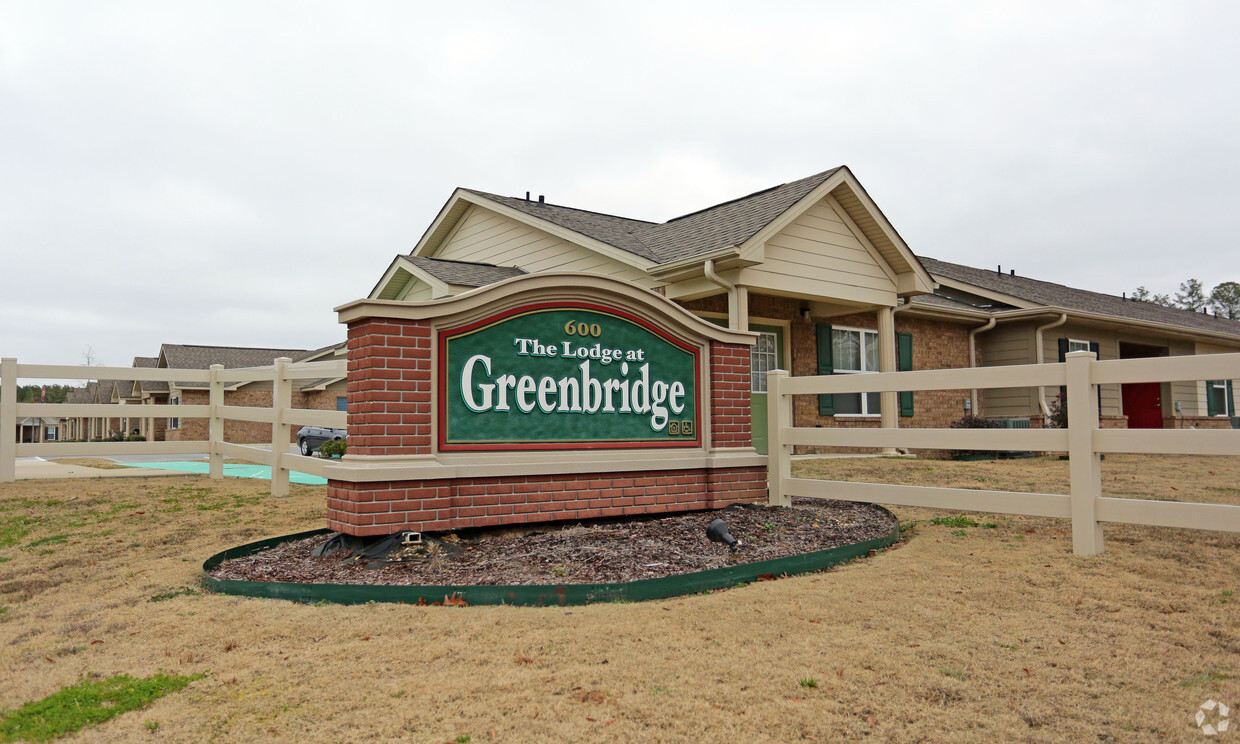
{"type": "Point", "coordinates": [215, 427]}
{"type": "Point", "coordinates": [8, 420]}
{"type": "Point", "coordinates": [281, 398]}
{"type": "Point", "coordinates": [1084, 465]}
{"type": "Point", "coordinates": [778, 461]}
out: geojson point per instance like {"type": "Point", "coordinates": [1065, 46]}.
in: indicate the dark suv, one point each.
{"type": "Point", "coordinates": [310, 438]}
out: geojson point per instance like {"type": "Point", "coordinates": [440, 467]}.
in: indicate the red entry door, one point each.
{"type": "Point", "coordinates": [1143, 404]}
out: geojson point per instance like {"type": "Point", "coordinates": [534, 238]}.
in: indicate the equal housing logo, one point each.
{"type": "Point", "coordinates": [1212, 718]}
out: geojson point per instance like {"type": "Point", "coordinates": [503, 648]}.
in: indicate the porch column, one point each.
{"type": "Point", "coordinates": [890, 402]}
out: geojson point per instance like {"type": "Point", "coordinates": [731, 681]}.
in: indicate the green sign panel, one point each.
{"type": "Point", "coordinates": [554, 376]}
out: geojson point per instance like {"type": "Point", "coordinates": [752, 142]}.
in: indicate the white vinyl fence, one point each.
{"type": "Point", "coordinates": [1083, 440]}
{"type": "Point", "coordinates": [281, 415]}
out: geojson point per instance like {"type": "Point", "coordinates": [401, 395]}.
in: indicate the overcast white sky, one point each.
{"type": "Point", "coordinates": [227, 172]}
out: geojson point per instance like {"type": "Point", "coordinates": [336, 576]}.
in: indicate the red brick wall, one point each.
{"type": "Point", "coordinates": [433, 505]}
{"type": "Point", "coordinates": [389, 387]}
{"type": "Point", "coordinates": [1196, 422]}
{"type": "Point", "coordinates": [729, 395]}
{"type": "Point", "coordinates": [390, 409]}
{"type": "Point", "coordinates": [196, 429]}
{"type": "Point", "coordinates": [241, 432]}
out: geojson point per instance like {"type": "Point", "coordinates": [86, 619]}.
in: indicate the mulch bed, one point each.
{"type": "Point", "coordinates": [591, 552]}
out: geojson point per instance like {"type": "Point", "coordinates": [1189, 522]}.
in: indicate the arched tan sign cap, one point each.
{"type": "Point", "coordinates": [559, 286]}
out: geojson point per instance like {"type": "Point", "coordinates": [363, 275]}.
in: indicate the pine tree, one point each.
{"type": "Point", "coordinates": [1141, 294]}
{"type": "Point", "coordinates": [1225, 299]}
{"type": "Point", "coordinates": [1191, 296]}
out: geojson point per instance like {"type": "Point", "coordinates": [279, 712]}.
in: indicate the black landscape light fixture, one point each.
{"type": "Point", "coordinates": [717, 531]}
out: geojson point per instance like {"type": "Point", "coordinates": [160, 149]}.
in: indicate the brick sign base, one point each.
{"type": "Point", "coordinates": [393, 420]}
{"type": "Point", "coordinates": [461, 503]}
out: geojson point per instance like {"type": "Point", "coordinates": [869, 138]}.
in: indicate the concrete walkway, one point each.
{"type": "Point", "coordinates": [35, 468]}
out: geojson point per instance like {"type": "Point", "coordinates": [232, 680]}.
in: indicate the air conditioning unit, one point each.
{"type": "Point", "coordinates": [1014, 423]}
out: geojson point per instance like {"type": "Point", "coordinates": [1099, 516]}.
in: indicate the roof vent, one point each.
{"type": "Point", "coordinates": [542, 199]}
{"type": "Point", "coordinates": [1013, 272]}
{"type": "Point", "coordinates": [527, 196]}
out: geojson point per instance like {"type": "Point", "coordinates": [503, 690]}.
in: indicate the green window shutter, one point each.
{"type": "Point", "coordinates": [904, 363]}
{"type": "Point", "coordinates": [826, 366]}
{"type": "Point", "coordinates": [1211, 408]}
{"type": "Point", "coordinates": [1231, 401]}
{"type": "Point", "coordinates": [1093, 346]}
{"type": "Point", "coordinates": [1063, 357]}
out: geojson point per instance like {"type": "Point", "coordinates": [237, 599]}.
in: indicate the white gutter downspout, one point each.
{"type": "Point", "coordinates": [738, 316]}
{"type": "Point", "coordinates": [973, 359]}
{"type": "Point", "coordinates": [1037, 335]}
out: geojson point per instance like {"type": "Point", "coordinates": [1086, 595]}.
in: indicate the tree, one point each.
{"type": "Point", "coordinates": [1141, 294]}
{"type": "Point", "coordinates": [1225, 299]}
{"type": "Point", "coordinates": [1191, 296]}
{"type": "Point", "coordinates": [90, 360]}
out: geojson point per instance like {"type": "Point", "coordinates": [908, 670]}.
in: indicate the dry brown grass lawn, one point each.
{"type": "Point", "coordinates": [963, 634]}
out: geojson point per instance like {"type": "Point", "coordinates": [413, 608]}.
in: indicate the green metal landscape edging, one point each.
{"type": "Point", "coordinates": [530, 595]}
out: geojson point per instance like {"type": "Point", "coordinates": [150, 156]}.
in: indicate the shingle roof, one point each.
{"type": "Point", "coordinates": [728, 224]}
{"type": "Point", "coordinates": [1070, 298]}
{"type": "Point", "coordinates": [132, 388]}
{"type": "Point", "coordinates": [944, 302]}
{"type": "Point", "coordinates": [338, 351]}
{"type": "Point", "coordinates": [620, 232]}
{"type": "Point", "coordinates": [465, 273]}
{"type": "Point", "coordinates": [721, 226]}
{"type": "Point", "coordinates": [180, 356]}
{"type": "Point", "coordinates": [104, 389]}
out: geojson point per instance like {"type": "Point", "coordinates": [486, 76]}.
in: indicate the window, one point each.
{"type": "Point", "coordinates": [855, 352]}
{"type": "Point", "coordinates": [174, 423]}
{"type": "Point", "coordinates": [1078, 345]}
{"type": "Point", "coordinates": [342, 403]}
{"type": "Point", "coordinates": [1218, 402]}
{"type": "Point", "coordinates": [762, 359]}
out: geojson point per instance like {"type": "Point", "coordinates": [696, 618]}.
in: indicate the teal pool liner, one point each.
{"type": "Point", "coordinates": [231, 470]}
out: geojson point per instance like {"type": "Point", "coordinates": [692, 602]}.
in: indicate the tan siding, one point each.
{"type": "Point", "coordinates": [1008, 403]}
{"type": "Point", "coordinates": [396, 286]}
{"type": "Point", "coordinates": [1192, 397]}
{"type": "Point", "coordinates": [487, 237]}
{"type": "Point", "coordinates": [1005, 345]}
{"type": "Point", "coordinates": [818, 247]}
{"type": "Point", "coordinates": [1010, 343]}
{"type": "Point", "coordinates": [416, 291]}
{"type": "Point", "coordinates": [1190, 393]}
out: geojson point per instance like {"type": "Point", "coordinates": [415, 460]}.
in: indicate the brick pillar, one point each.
{"type": "Point", "coordinates": [729, 395]}
{"type": "Point", "coordinates": [389, 387]}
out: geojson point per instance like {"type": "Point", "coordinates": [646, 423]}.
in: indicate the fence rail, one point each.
{"type": "Point", "coordinates": [281, 415]}
{"type": "Point", "coordinates": [1083, 440]}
